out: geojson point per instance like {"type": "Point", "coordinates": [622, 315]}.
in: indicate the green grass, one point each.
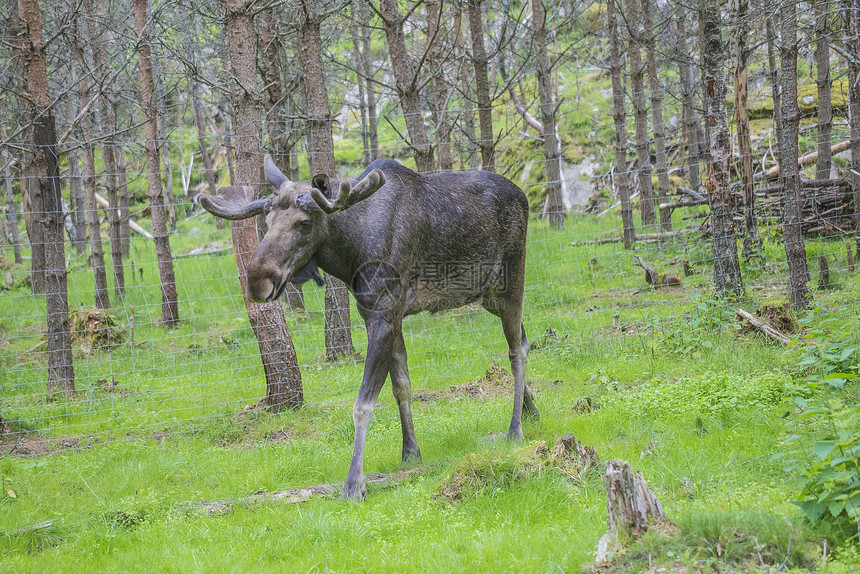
{"type": "Point", "coordinates": [170, 437]}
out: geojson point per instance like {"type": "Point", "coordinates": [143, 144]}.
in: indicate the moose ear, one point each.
{"type": "Point", "coordinates": [321, 182]}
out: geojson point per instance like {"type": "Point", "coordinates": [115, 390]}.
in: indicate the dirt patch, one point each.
{"type": "Point", "coordinates": [496, 382]}
{"type": "Point", "coordinates": [778, 315]}
{"type": "Point", "coordinates": [19, 444]}
{"type": "Point", "coordinates": [281, 437]}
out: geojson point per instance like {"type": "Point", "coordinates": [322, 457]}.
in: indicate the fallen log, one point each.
{"type": "Point", "coordinates": [644, 238]}
{"type": "Point", "coordinates": [763, 327]}
{"type": "Point", "coordinates": [677, 204]}
{"type": "Point", "coordinates": [134, 226]}
{"type": "Point", "coordinates": [804, 160]}
{"type": "Point", "coordinates": [293, 495]}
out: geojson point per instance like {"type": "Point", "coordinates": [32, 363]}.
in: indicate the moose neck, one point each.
{"type": "Point", "coordinates": [338, 252]}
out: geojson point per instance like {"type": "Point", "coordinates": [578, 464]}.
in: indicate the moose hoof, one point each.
{"type": "Point", "coordinates": [354, 490]}
{"type": "Point", "coordinates": [530, 411]}
{"type": "Point", "coordinates": [515, 434]}
{"type": "Point", "coordinates": [411, 457]}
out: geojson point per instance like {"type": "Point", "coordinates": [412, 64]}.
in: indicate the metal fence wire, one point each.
{"type": "Point", "coordinates": [584, 291]}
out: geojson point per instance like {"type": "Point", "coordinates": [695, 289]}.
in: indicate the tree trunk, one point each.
{"type": "Point", "coordinates": [618, 116]}
{"type": "Point", "coordinates": [770, 38]}
{"type": "Point", "coordinates": [338, 334]}
{"type": "Point", "coordinates": [825, 113]}
{"type": "Point", "coordinates": [274, 97]}
{"type": "Point", "coordinates": [688, 93]}
{"type": "Point", "coordinates": [360, 81]}
{"type": "Point", "coordinates": [197, 106]}
{"type": "Point", "coordinates": [727, 273]}
{"type": "Point", "coordinates": [553, 209]}
{"type": "Point", "coordinates": [370, 86]}
{"type": "Point", "coordinates": [482, 85]}
{"type": "Point", "coordinates": [640, 114]}
{"type": "Point", "coordinates": [740, 24]}
{"type": "Point", "coordinates": [851, 22]}
{"type": "Point", "coordinates": [169, 301]}
{"type": "Point", "coordinates": [439, 87]}
{"type": "Point", "coordinates": [795, 249]}
{"type": "Point", "coordinates": [656, 93]}
{"type": "Point", "coordinates": [468, 112]}
{"type": "Point", "coordinates": [47, 195]}
{"type": "Point", "coordinates": [11, 209]}
{"type": "Point", "coordinates": [101, 37]}
{"type": "Point", "coordinates": [30, 195]}
{"type": "Point", "coordinates": [283, 378]}
{"type": "Point", "coordinates": [81, 38]}
{"type": "Point", "coordinates": [406, 80]}
{"type": "Point", "coordinates": [122, 198]}
{"type": "Point", "coordinates": [76, 192]}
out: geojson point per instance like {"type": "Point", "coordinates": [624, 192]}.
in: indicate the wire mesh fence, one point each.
{"type": "Point", "coordinates": [584, 291]}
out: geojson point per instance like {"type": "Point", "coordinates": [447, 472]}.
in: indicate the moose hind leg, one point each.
{"type": "Point", "coordinates": [511, 316]}
{"type": "Point", "coordinates": [529, 407]}
{"type": "Point", "coordinates": [402, 389]}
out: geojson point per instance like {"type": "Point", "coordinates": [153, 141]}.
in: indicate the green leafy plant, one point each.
{"type": "Point", "coordinates": [824, 361]}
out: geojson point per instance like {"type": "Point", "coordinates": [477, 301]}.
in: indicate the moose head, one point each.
{"type": "Point", "coordinates": [297, 223]}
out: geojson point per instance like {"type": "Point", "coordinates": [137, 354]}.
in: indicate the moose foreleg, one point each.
{"type": "Point", "coordinates": [381, 336]}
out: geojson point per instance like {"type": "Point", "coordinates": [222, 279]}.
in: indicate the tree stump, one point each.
{"type": "Point", "coordinates": [823, 273]}
{"type": "Point", "coordinates": [632, 506]}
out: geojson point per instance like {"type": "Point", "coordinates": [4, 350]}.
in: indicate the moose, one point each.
{"type": "Point", "coordinates": [403, 243]}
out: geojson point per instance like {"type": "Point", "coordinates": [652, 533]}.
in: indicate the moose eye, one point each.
{"type": "Point", "coordinates": [305, 225]}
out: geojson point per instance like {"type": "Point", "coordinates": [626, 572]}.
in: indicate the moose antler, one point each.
{"type": "Point", "coordinates": [349, 195]}
{"type": "Point", "coordinates": [232, 202]}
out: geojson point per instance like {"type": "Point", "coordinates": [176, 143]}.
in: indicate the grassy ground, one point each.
{"type": "Point", "coordinates": [672, 388]}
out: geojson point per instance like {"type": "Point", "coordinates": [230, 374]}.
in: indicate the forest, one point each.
{"type": "Point", "coordinates": [692, 170]}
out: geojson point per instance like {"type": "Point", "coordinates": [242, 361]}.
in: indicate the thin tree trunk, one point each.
{"type": "Point", "coordinates": [770, 38]}
{"type": "Point", "coordinates": [851, 24]}
{"type": "Point", "coordinates": [101, 38]}
{"type": "Point", "coordinates": [370, 86]}
{"type": "Point", "coordinates": [338, 333]}
{"type": "Point", "coordinates": [640, 114]}
{"type": "Point", "coordinates": [482, 85]}
{"type": "Point", "coordinates": [688, 92]}
{"type": "Point", "coordinates": [406, 83]}
{"type": "Point", "coordinates": [273, 101]}
{"type": "Point", "coordinates": [82, 38]}
{"type": "Point", "coordinates": [283, 378]}
{"type": "Point", "coordinates": [122, 198]}
{"type": "Point", "coordinates": [618, 117]}
{"type": "Point", "coordinates": [656, 93]}
{"type": "Point", "coordinates": [795, 249]}
{"type": "Point", "coordinates": [76, 192]}
{"type": "Point", "coordinates": [169, 301]}
{"type": "Point", "coordinates": [11, 209]}
{"type": "Point", "coordinates": [467, 111]}
{"type": "Point", "coordinates": [439, 87]}
{"type": "Point", "coordinates": [553, 210]}
{"type": "Point", "coordinates": [825, 112]}
{"type": "Point", "coordinates": [740, 24]}
{"type": "Point", "coordinates": [197, 107]}
{"type": "Point", "coordinates": [360, 81]}
{"type": "Point", "coordinates": [44, 167]}
{"type": "Point", "coordinates": [727, 273]}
